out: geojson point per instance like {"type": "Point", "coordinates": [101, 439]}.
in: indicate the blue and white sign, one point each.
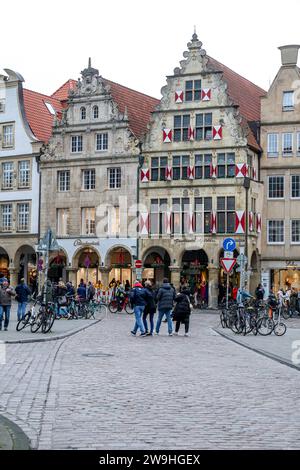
{"type": "Point", "coordinates": [229, 244]}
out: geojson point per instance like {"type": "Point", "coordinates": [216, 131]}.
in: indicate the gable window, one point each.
{"type": "Point", "coordinates": [226, 165]}
{"type": "Point", "coordinates": [88, 222]}
{"type": "Point", "coordinates": [273, 145]}
{"type": "Point", "coordinates": [7, 175]}
{"type": "Point", "coordinates": [76, 143]}
{"type": "Point", "coordinates": [276, 232]}
{"type": "Point", "coordinates": [158, 168]}
{"type": "Point", "coordinates": [295, 186]}
{"type": "Point", "coordinates": [204, 126]}
{"type": "Point", "coordinates": [193, 90]}
{"type": "Point", "coordinates": [114, 178]}
{"type": "Point", "coordinates": [8, 136]}
{"type": "Point", "coordinates": [23, 217]}
{"type": "Point", "coordinates": [63, 180]}
{"type": "Point", "coordinates": [287, 144]}
{"type": "Point", "coordinates": [24, 174]}
{"type": "Point", "coordinates": [181, 128]}
{"type": "Point", "coordinates": [180, 167]}
{"type": "Point", "coordinates": [95, 112]}
{"type": "Point", "coordinates": [276, 187]}
{"type": "Point", "coordinates": [88, 179]}
{"type": "Point", "coordinates": [83, 113]}
{"type": "Point", "coordinates": [102, 141]}
{"type": "Point", "coordinates": [6, 217]}
{"type": "Point", "coordinates": [288, 101]}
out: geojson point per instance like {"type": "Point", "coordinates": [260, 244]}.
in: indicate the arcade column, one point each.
{"type": "Point", "coordinates": [213, 286]}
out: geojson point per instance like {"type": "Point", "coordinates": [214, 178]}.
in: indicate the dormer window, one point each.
{"type": "Point", "coordinates": [83, 113]}
{"type": "Point", "coordinates": [95, 112]}
{"type": "Point", "coordinates": [288, 101]}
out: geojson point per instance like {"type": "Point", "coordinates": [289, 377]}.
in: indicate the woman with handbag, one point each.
{"type": "Point", "coordinates": [182, 311]}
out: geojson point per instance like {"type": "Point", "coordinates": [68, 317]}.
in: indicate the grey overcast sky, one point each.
{"type": "Point", "coordinates": [137, 42]}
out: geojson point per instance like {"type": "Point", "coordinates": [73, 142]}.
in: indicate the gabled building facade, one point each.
{"type": "Point", "coordinates": [25, 123]}
{"type": "Point", "coordinates": [200, 180]}
{"type": "Point", "coordinates": [280, 172]}
{"type": "Point", "coordinates": [89, 179]}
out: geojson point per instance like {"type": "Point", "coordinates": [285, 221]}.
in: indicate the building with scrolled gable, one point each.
{"type": "Point", "coordinates": [200, 180]}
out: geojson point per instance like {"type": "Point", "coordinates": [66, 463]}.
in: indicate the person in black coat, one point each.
{"type": "Point", "coordinates": [182, 311]}
{"type": "Point", "coordinates": [150, 308]}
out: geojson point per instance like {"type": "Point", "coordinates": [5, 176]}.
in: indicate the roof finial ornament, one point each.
{"type": "Point", "coordinates": [195, 43]}
{"type": "Point", "coordinates": [195, 37]}
{"type": "Point", "coordinates": [90, 63]}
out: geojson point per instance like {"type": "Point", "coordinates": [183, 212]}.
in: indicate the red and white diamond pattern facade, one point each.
{"type": "Point", "coordinates": [167, 135]}
{"type": "Point", "coordinates": [240, 222]}
{"type": "Point", "coordinates": [144, 224]}
{"type": "Point", "coordinates": [178, 96]}
{"type": "Point", "coordinates": [145, 175]}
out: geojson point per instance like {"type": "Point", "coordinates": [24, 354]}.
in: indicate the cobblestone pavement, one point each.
{"type": "Point", "coordinates": [103, 389]}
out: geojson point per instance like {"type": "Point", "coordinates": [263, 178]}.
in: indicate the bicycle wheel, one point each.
{"type": "Point", "coordinates": [265, 326]}
{"type": "Point", "coordinates": [279, 329]}
{"type": "Point", "coordinates": [37, 323]}
{"type": "Point", "coordinates": [128, 309]}
{"type": "Point", "coordinates": [285, 312]}
{"type": "Point", "coordinates": [113, 306]}
{"type": "Point", "coordinates": [72, 314]}
{"type": "Point", "coordinates": [23, 322]}
{"type": "Point", "coordinates": [48, 321]}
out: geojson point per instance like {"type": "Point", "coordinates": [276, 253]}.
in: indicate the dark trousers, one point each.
{"type": "Point", "coordinates": [151, 316]}
{"type": "Point", "coordinates": [186, 325]}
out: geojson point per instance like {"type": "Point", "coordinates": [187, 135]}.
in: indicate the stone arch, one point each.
{"type": "Point", "coordinates": [114, 248]}
{"type": "Point", "coordinates": [194, 271]}
{"type": "Point", "coordinates": [119, 262]}
{"type": "Point", "coordinates": [156, 263]}
{"type": "Point", "coordinates": [25, 265]}
{"type": "Point", "coordinates": [77, 253]}
{"type": "Point", "coordinates": [86, 262]}
{"type": "Point", "coordinates": [4, 262]}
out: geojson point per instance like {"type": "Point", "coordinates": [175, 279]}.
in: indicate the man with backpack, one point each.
{"type": "Point", "coordinates": [165, 298]}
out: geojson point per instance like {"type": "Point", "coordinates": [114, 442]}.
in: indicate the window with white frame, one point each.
{"type": "Point", "coordinates": [114, 221]}
{"type": "Point", "coordinates": [95, 112]}
{"type": "Point", "coordinates": [181, 128]}
{"type": "Point", "coordinates": [88, 222]}
{"type": "Point", "coordinates": [203, 126]}
{"type": "Point", "coordinates": [288, 101]}
{"type": "Point", "coordinates": [287, 144]}
{"type": "Point", "coordinates": [6, 217]}
{"type": "Point", "coordinates": [193, 90]}
{"type": "Point", "coordinates": [114, 178]}
{"type": "Point", "coordinates": [83, 113]}
{"type": "Point", "coordinates": [158, 168]}
{"type": "Point", "coordinates": [23, 217]}
{"type": "Point", "coordinates": [295, 231]}
{"type": "Point", "coordinates": [62, 222]}
{"type": "Point", "coordinates": [202, 214]}
{"type": "Point", "coordinates": [158, 210]}
{"type": "Point", "coordinates": [298, 143]}
{"type": "Point", "coordinates": [226, 214]}
{"type": "Point", "coordinates": [226, 165]}
{"type": "Point", "coordinates": [295, 186]}
{"type": "Point", "coordinates": [63, 180]}
{"type": "Point", "coordinates": [76, 143]}
{"type": "Point", "coordinates": [273, 145]}
{"type": "Point", "coordinates": [7, 175]}
{"type": "Point", "coordinates": [276, 187]}
{"type": "Point", "coordinates": [180, 167]}
{"type": "Point", "coordinates": [275, 231]}
{"type": "Point", "coordinates": [203, 166]}
{"type": "Point", "coordinates": [102, 141]}
{"type": "Point", "coordinates": [24, 174]}
{"type": "Point", "coordinates": [88, 179]}
{"type": "Point", "coordinates": [8, 135]}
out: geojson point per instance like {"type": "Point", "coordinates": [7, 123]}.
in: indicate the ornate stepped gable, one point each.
{"type": "Point", "coordinates": [221, 87]}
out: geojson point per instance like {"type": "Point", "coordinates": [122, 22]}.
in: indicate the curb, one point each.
{"type": "Point", "coordinates": [53, 338]}
{"type": "Point", "coordinates": [14, 437]}
{"type": "Point", "coordinates": [274, 357]}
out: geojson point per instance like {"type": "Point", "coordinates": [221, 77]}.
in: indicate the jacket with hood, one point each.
{"type": "Point", "coordinates": [151, 305]}
{"type": "Point", "coordinates": [6, 294]}
{"type": "Point", "coordinates": [165, 297]}
{"type": "Point", "coordinates": [138, 295]}
{"type": "Point", "coordinates": [182, 309]}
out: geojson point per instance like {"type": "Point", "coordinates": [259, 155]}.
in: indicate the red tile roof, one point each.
{"type": "Point", "coordinates": [62, 93]}
{"type": "Point", "coordinates": [245, 94]}
{"type": "Point", "coordinates": [39, 117]}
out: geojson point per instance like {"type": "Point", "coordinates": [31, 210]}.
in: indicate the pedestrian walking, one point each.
{"type": "Point", "coordinates": [22, 294]}
{"type": "Point", "coordinates": [150, 308]}
{"type": "Point", "coordinates": [91, 291]}
{"type": "Point", "coordinates": [259, 292]}
{"type": "Point", "coordinates": [165, 298]}
{"type": "Point", "coordinates": [6, 294]}
{"type": "Point", "coordinates": [138, 298]}
{"type": "Point", "coordinates": [182, 311]}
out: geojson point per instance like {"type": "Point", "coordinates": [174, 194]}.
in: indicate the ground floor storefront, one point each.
{"type": "Point", "coordinates": [281, 275]}
{"type": "Point", "coordinates": [18, 260]}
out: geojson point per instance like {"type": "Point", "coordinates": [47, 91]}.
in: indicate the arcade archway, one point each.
{"type": "Point", "coordinates": [4, 263]}
{"type": "Point", "coordinates": [194, 272]}
{"type": "Point", "coordinates": [120, 261]}
{"type": "Point", "coordinates": [156, 265]}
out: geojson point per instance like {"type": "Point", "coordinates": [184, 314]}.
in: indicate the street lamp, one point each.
{"type": "Point", "coordinates": [247, 187]}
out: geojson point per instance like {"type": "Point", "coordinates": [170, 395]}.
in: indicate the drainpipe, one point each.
{"type": "Point", "coordinates": [140, 165]}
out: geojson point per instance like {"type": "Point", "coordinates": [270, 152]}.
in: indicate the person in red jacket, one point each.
{"type": "Point", "coordinates": [234, 292]}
